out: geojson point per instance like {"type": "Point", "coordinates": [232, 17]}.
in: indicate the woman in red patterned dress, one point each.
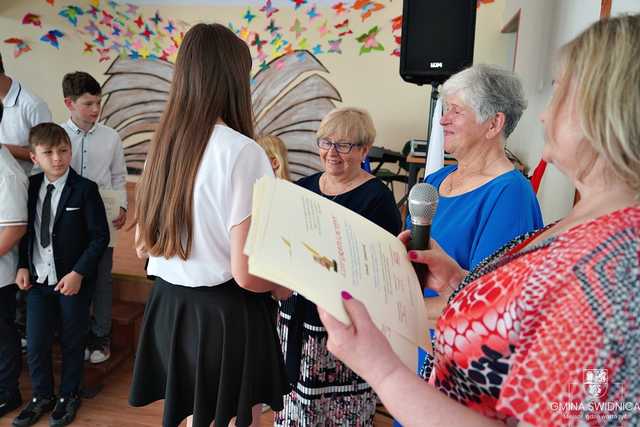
{"type": "Point", "coordinates": [547, 330]}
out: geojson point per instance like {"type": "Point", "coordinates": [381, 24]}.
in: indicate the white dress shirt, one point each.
{"type": "Point", "coordinates": [43, 259]}
{"type": "Point", "coordinates": [222, 195]}
{"type": "Point", "coordinates": [99, 156]}
{"type": "Point", "coordinates": [22, 111]}
{"type": "Point", "coordinates": [14, 186]}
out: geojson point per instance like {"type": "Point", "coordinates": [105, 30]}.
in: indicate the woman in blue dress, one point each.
{"type": "Point", "coordinates": [484, 202]}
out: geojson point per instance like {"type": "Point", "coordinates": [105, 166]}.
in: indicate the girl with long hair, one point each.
{"type": "Point", "coordinates": [208, 343]}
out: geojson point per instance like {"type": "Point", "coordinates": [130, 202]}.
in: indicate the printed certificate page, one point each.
{"type": "Point", "coordinates": [112, 200]}
{"type": "Point", "coordinates": [318, 248]}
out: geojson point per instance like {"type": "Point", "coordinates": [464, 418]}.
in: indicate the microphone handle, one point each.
{"type": "Point", "coordinates": [420, 235]}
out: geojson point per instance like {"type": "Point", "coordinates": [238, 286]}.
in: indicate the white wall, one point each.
{"type": "Point", "coordinates": [624, 6]}
{"type": "Point", "coordinates": [532, 62]}
{"type": "Point", "coordinates": [545, 25]}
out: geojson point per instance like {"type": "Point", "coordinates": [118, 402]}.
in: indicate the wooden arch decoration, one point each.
{"type": "Point", "coordinates": [289, 101]}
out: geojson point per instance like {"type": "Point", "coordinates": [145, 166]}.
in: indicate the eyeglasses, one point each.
{"type": "Point", "coordinates": [341, 147]}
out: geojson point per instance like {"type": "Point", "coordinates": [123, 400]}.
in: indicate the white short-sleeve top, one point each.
{"type": "Point", "coordinates": [222, 195]}
{"type": "Point", "coordinates": [22, 111]}
{"type": "Point", "coordinates": [13, 209]}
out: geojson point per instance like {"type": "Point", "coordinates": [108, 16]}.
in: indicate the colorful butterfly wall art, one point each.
{"type": "Point", "coordinates": [33, 19]}
{"type": "Point", "coordinates": [368, 41]}
{"type": "Point", "coordinates": [71, 13]}
{"type": "Point", "coordinates": [21, 46]}
{"type": "Point", "coordinates": [367, 7]}
{"type": "Point", "coordinates": [53, 37]}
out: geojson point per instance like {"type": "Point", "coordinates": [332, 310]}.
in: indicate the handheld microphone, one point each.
{"type": "Point", "coordinates": [423, 201]}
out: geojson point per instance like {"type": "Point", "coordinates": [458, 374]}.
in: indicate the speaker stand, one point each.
{"type": "Point", "coordinates": [414, 167]}
{"type": "Point", "coordinates": [432, 106]}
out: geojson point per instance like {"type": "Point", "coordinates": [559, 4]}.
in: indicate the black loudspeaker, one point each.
{"type": "Point", "coordinates": [437, 39]}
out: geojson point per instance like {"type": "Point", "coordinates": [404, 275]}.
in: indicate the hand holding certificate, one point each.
{"type": "Point", "coordinates": [112, 200]}
{"type": "Point", "coordinates": [317, 248]}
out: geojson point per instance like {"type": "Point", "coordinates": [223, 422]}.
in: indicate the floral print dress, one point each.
{"type": "Point", "coordinates": [549, 335]}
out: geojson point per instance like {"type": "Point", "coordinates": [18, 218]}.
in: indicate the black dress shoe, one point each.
{"type": "Point", "coordinates": [31, 413]}
{"type": "Point", "coordinates": [65, 411]}
{"type": "Point", "coordinates": [9, 402]}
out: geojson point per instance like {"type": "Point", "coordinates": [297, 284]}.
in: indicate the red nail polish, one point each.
{"type": "Point", "coordinates": [345, 295]}
{"type": "Point", "coordinates": [413, 255]}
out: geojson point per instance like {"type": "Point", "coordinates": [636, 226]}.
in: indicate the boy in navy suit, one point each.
{"type": "Point", "coordinates": [67, 234]}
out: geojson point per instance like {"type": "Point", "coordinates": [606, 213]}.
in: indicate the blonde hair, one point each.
{"type": "Point", "coordinates": [603, 63]}
{"type": "Point", "coordinates": [352, 124]}
{"type": "Point", "coordinates": [275, 149]}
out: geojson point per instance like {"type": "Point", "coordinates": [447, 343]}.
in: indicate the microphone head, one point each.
{"type": "Point", "coordinates": [423, 201]}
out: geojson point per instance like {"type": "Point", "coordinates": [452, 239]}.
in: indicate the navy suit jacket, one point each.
{"type": "Point", "coordinates": [80, 235]}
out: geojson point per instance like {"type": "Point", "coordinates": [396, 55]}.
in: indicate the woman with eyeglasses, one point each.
{"type": "Point", "coordinates": [325, 391]}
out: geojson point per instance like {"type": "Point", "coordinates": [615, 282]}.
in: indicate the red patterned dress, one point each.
{"type": "Point", "coordinates": [550, 335]}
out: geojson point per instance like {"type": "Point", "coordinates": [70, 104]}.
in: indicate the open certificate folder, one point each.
{"type": "Point", "coordinates": [112, 200]}
{"type": "Point", "coordinates": [318, 248]}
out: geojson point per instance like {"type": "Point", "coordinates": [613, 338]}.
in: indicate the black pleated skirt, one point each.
{"type": "Point", "coordinates": [210, 351]}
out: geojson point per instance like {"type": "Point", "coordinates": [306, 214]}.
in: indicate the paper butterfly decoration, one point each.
{"type": "Point", "coordinates": [334, 46]}
{"type": "Point", "coordinates": [339, 8]}
{"type": "Point", "coordinates": [106, 18]}
{"type": "Point", "coordinates": [344, 28]}
{"type": "Point", "coordinates": [101, 38]}
{"type": "Point", "coordinates": [369, 41]}
{"type": "Point", "coordinates": [396, 50]}
{"type": "Point", "coordinates": [297, 28]}
{"type": "Point", "coordinates": [71, 13]}
{"type": "Point", "coordinates": [323, 29]}
{"type": "Point", "coordinates": [248, 16]}
{"type": "Point", "coordinates": [272, 28]}
{"type": "Point", "coordinates": [312, 13]}
{"type": "Point", "coordinates": [53, 37]}
{"type": "Point", "coordinates": [33, 19]}
{"type": "Point", "coordinates": [104, 54]}
{"type": "Point", "coordinates": [20, 46]}
{"type": "Point", "coordinates": [367, 7]}
{"type": "Point", "coordinates": [157, 19]}
{"type": "Point", "coordinates": [132, 9]}
{"type": "Point", "coordinates": [268, 9]}
{"type": "Point", "coordinates": [480, 2]}
{"type": "Point", "coordinates": [396, 23]}
{"type": "Point", "coordinates": [299, 3]}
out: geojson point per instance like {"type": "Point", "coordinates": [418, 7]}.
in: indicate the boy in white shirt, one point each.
{"type": "Point", "coordinates": [98, 155]}
{"type": "Point", "coordinates": [13, 225]}
{"type": "Point", "coordinates": [22, 111]}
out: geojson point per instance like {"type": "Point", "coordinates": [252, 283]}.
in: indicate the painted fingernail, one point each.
{"type": "Point", "coordinates": [413, 255]}
{"type": "Point", "coordinates": [345, 295]}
